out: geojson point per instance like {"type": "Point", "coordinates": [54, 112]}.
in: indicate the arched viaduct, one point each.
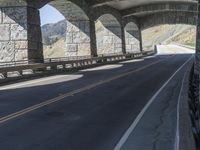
{"type": "Point", "coordinates": [118, 31]}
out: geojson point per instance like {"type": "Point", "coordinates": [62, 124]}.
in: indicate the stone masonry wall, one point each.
{"type": "Point", "coordinates": [78, 27]}
{"type": "Point", "coordinates": [20, 34]}
{"type": "Point", "coordinates": [78, 38]}
{"type": "Point", "coordinates": [132, 42]}
{"type": "Point", "coordinates": [13, 34]}
{"type": "Point", "coordinates": [108, 39]}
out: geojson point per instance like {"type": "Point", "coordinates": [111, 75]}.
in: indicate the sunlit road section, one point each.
{"type": "Point", "coordinates": [131, 105]}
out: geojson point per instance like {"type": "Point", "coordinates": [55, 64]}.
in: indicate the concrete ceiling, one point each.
{"type": "Point", "coordinates": [125, 4]}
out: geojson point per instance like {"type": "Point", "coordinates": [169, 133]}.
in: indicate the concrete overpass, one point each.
{"type": "Point", "coordinates": [46, 118]}
{"type": "Point", "coordinates": [22, 34]}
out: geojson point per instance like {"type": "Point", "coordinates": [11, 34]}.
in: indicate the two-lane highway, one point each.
{"type": "Point", "coordinates": [91, 109]}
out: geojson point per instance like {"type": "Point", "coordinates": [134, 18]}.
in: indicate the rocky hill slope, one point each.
{"type": "Point", "coordinates": [166, 34]}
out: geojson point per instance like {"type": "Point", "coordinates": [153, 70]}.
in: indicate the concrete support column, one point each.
{"type": "Point", "coordinates": [140, 39]}
{"type": "Point", "coordinates": [35, 46]}
{"type": "Point", "coordinates": [197, 56]}
{"type": "Point", "coordinates": [20, 34]}
{"type": "Point", "coordinates": [123, 40]}
{"type": "Point", "coordinates": [93, 41]}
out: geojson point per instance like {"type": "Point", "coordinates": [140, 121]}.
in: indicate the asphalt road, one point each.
{"type": "Point", "coordinates": [92, 109]}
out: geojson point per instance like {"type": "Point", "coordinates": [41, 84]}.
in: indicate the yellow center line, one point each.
{"type": "Point", "coordinates": [72, 93]}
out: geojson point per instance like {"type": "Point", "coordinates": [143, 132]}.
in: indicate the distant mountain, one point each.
{"type": "Point", "coordinates": [51, 33]}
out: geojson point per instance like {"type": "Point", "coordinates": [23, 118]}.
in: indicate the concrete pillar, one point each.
{"type": "Point", "coordinates": [197, 56]}
{"type": "Point", "coordinates": [35, 46]}
{"type": "Point", "coordinates": [123, 40]}
{"type": "Point", "coordinates": [20, 35]}
{"type": "Point", "coordinates": [93, 41]}
{"type": "Point", "coordinates": [140, 39]}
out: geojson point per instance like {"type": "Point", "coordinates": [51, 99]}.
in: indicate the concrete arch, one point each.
{"type": "Point", "coordinates": [104, 10]}
{"type": "Point", "coordinates": [9, 3]}
{"type": "Point", "coordinates": [108, 35]}
{"type": "Point", "coordinates": [130, 19]}
{"type": "Point", "coordinates": [78, 27]}
{"type": "Point", "coordinates": [132, 37]}
{"type": "Point", "coordinates": [61, 5]}
{"type": "Point", "coordinates": [156, 19]}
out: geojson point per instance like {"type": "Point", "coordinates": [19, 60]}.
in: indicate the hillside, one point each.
{"type": "Point", "coordinates": [166, 34]}
{"type": "Point", "coordinates": [54, 37]}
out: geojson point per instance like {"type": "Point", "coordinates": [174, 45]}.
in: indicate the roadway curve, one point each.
{"type": "Point", "coordinates": [103, 104]}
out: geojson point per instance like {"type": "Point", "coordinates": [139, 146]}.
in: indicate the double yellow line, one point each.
{"type": "Point", "coordinates": [61, 97]}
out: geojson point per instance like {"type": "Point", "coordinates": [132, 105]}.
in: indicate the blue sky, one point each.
{"type": "Point", "coordinates": [48, 14]}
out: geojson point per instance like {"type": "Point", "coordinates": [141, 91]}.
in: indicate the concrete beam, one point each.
{"type": "Point", "coordinates": [168, 18]}
{"type": "Point", "coordinates": [145, 10]}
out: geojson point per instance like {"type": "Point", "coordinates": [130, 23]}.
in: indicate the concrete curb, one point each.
{"type": "Point", "coordinates": [187, 141]}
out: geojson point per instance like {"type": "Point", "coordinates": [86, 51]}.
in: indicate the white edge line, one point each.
{"type": "Point", "coordinates": [141, 114]}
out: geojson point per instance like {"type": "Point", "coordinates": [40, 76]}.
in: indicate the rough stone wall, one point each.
{"type": "Point", "coordinates": [108, 39]}
{"type": "Point", "coordinates": [13, 34]}
{"type": "Point", "coordinates": [132, 42]}
{"type": "Point", "coordinates": [78, 38]}
{"type": "Point", "coordinates": [78, 27]}
{"type": "Point", "coordinates": [20, 34]}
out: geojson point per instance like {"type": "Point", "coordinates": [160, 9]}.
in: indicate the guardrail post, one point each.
{"type": "Point", "coordinates": [54, 67]}
{"type": "Point", "coordinates": [155, 49]}
{"type": "Point", "coordinates": [5, 75]}
{"type": "Point", "coordinates": [21, 72]}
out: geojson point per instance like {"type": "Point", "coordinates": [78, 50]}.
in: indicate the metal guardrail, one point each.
{"type": "Point", "coordinates": [194, 105]}
{"type": "Point", "coordinates": [68, 63]}
{"type": "Point", "coordinates": [47, 60]}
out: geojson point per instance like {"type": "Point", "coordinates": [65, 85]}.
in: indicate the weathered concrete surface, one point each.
{"type": "Point", "coordinates": [20, 35]}
{"type": "Point", "coordinates": [20, 20]}
{"type": "Point", "coordinates": [168, 18]}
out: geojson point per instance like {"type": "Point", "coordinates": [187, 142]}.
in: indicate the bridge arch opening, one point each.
{"type": "Point", "coordinates": [132, 38]}
{"type": "Point", "coordinates": [75, 29]}
{"type": "Point", "coordinates": [53, 29]}
{"type": "Point", "coordinates": [108, 35]}
{"type": "Point", "coordinates": [179, 34]}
